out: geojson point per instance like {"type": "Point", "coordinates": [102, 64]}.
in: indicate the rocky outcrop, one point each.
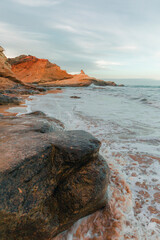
{"type": "Point", "coordinates": [103, 83]}
{"type": "Point", "coordinates": [10, 85]}
{"type": "Point", "coordinates": [49, 177]}
{"type": "Point", "coordinates": [75, 97]}
{"type": "Point", "coordinates": [78, 80]}
{"type": "Point", "coordinates": [34, 70]}
{"type": "Point", "coordinates": [5, 100]}
{"type": "Point", "coordinates": [7, 77]}
{"type": "Point", "coordinates": [30, 69]}
{"type": "Point", "coordinates": [82, 72]}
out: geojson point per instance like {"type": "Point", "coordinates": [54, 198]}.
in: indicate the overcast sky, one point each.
{"type": "Point", "coordinates": [106, 38]}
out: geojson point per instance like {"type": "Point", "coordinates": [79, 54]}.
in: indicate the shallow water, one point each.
{"type": "Point", "coordinates": [127, 122]}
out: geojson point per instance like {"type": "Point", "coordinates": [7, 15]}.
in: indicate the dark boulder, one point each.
{"type": "Point", "coordinates": [103, 83]}
{"type": "Point", "coordinates": [49, 178]}
{"type": "Point", "coordinates": [41, 115]}
{"type": "Point", "coordinates": [75, 97]}
{"type": "Point", "coordinates": [5, 100]}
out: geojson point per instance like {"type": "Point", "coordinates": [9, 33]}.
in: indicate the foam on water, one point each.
{"type": "Point", "coordinates": [128, 128]}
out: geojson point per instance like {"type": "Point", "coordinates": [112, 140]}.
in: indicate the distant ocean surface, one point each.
{"type": "Point", "coordinates": [127, 122]}
{"type": "Point", "coordinates": [137, 82]}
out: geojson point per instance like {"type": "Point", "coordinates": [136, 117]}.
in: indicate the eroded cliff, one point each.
{"type": "Point", "coordinates": [8, 79]}
{"type": "Point", "coordinates": [34, 70]}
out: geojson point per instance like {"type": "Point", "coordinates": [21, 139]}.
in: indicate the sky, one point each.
{"type": "Point", "coordinates": [108, 39]}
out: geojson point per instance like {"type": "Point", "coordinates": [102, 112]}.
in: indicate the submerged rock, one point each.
{"type": "Point", "coordinates": [49, 177]}
{"type": "Point", "coordinates": [76, 97]}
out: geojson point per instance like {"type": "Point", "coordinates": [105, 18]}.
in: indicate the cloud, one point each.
{"type": "Point", "coordinates": [86, 34]}
{"type": "Point", "coordinates": [157, 54]}
{"type": "Point", "coordinates": [37, 3]}
{"type": "Point", "coordinates": [73, 73]}
{"type": "Point", "coordinates": [105, 64]}
{"type": "Point", "coordinates": [72, 27]}
{"type": "Point", "coordinates": [17, 41]}
{"type": "Point", "coordinates": [67, 28]}
{"type": "Point", "coordinates": [127, 48]}
{"type": "Point", "coordinates": [85, 45]}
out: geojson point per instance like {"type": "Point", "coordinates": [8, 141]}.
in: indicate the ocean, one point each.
{"type": "Point", "coordinates": [127, 122]}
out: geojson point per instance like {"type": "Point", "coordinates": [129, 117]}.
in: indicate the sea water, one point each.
{"type": "Point", "coordinates": [127, 122]}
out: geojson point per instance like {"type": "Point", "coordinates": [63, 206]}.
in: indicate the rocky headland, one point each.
{"type": "Point", "coordinates": [27, 75]}
{"type": "Point", "coordinates": [11, 87]}
{"type": "Point", "coordinates": [30, 69]}
{"type": "Point", "coordinates": [49, 177]}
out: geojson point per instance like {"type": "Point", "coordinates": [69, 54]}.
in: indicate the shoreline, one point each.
{"type": "Point", "coordinates": [119, 202]}
{"type": "Point", "coordinates": [35, 143]}
{"type": "Point", "coordinates": [4, 108]}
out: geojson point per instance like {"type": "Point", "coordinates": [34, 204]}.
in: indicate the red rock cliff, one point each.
{"type": "Point", "coordinates": [30, 69]}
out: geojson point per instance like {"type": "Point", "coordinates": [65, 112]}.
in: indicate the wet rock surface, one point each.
{"type": "Point", "coordinates": [76, 97]}
{"type": "Point", "coordinates": [103, 83]}
{"type": "Point", "coordinates": [6, 100]}
{"type": "Point", "coordinates": [49, 177]}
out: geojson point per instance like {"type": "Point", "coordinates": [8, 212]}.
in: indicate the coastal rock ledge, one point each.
{"type": "Point", "coordinates": [49, 177]}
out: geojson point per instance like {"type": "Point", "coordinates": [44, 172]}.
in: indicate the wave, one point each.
{"type": "Point", "coordinates": [142, 86]}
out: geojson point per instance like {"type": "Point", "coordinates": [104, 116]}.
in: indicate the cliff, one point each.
{"type": "Point", "coordinates": [11, 86]}
{"type": "Point", "coordinates": [8, 79]}
{"type": "Point", "coordinates": [30, 69]}
{"type": "Point", "coordinates": [33, 70]}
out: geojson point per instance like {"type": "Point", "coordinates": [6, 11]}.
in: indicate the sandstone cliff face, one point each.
{"type": "Point", "coordinates": [10, 85]}
{"type": "Point", "coordinates": [7, 77]}
{"type": "Point", "coordinates": [78, 80]}
{"type": "Point", "coordinates": [30, 69]}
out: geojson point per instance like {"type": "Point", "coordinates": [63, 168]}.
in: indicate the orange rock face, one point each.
{"type": "Point", "coordinates": [78, 80]}
{"type": "Point", "coordinates": [7, 77]}
{"type": "Point", "coordinates": [30, 69]}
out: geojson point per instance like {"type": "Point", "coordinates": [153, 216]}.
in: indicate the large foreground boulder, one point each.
{"type": "Point", "coordinates": [49, 177]}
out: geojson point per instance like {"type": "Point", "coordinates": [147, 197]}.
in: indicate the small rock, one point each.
{"type": "Point", "coordinates": [76, 97]}
{"type": "Point", "coordinates": [82, 72]}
